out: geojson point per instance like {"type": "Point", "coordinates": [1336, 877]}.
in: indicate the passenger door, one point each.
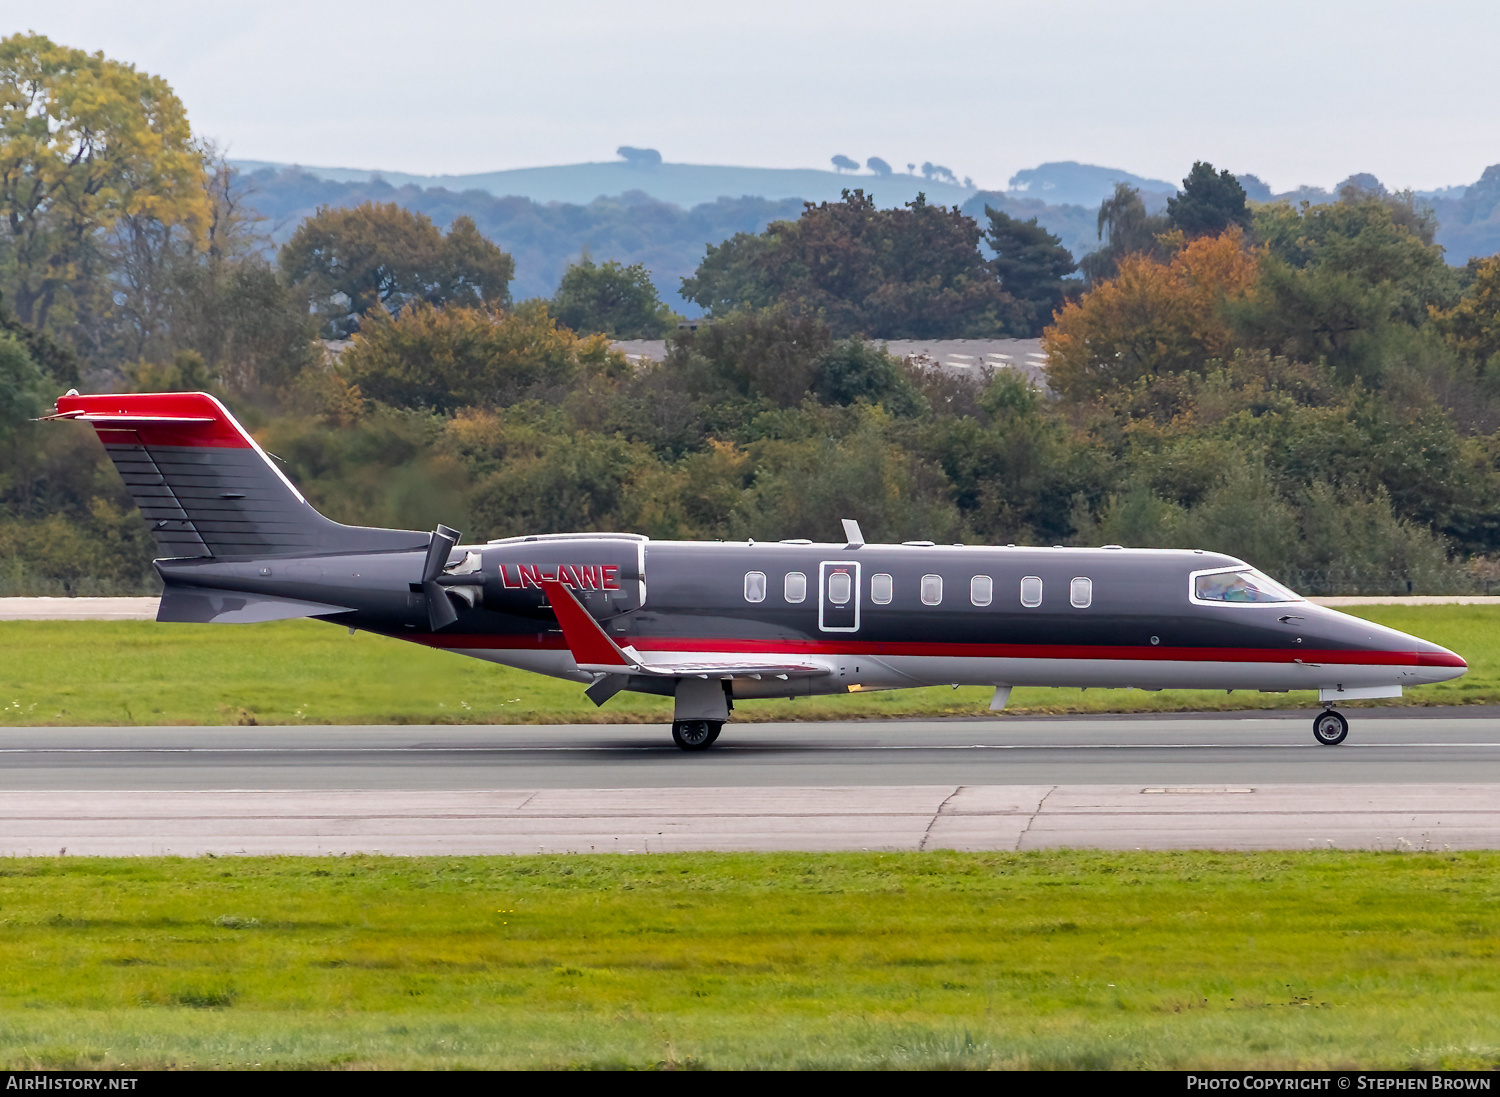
{"type": "Point", "coordinates": [838, 596]}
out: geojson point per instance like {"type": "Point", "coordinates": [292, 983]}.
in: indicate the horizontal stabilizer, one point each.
{"type": "Point", "coordinates": [199, 605]}
{"type": "Point", "coordinates": [593, 650]}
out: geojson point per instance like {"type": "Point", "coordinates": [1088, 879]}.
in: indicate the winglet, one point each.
{"type": "Point", "coordinates": [589, 644]}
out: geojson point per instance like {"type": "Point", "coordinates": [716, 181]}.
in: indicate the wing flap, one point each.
{"type": "Point", "coordinates": [594, 651]}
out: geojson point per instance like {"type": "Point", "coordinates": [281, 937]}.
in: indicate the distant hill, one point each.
{"type": "Point", "coordinates": [543, 238]}
{"type": "Point", "coordinates": [664, 215]}
{"type": "Point", "coordinates": [634, 227]}
{"type": "Point", "coordinates": [685, 185]}
{"type": "Point", "coordinates": [1069, 183]}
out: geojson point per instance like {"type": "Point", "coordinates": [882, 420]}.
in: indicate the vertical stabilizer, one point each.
{"type": "Point", "coordinates": [205, 487]}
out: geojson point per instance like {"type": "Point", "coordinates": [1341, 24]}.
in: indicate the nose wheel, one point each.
{"type": "Point", "coordinates": [695, 734]}
{"type": "Point", "coordinates": [1330, 728]}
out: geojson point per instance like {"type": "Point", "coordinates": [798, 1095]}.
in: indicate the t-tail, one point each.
{"type": "Point", "coordinates": [239, 543]}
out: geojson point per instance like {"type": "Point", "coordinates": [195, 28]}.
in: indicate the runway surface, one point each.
{"type": "Point", "coordinates": [1384, 746]}
{"type": "Point", "coordinates": [1405, 779]}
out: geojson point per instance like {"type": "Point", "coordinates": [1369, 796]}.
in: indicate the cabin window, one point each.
{"type": "Point", "coordinates": [932, 590]}
{"type": "Point", "coordinates": [981, 590]}
{"type": "Point", "coordinates": [1081, 592]}
{"type": "Point", "coordinates": [1031, 591]}
{"type": "Point", "coordinates": [794, 586]}
{"type": "Point", "coordinates": [755, 586]}
{"type": "Point", "coordinates": [881, 589]}
{"type": "Point", "coordinates": [840, 587]}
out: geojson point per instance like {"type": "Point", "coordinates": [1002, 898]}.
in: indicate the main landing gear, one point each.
{"type": "Point", "coordinates": [1330, 728]}
{"type": "Point", "coordinates": [695, 734]}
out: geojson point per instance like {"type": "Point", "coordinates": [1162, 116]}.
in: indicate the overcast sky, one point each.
{"type": "Point", "coordinates": [1296, 92]}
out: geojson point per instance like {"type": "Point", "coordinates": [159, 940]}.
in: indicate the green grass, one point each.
{"type": "Point", "coordinates": [295, 672]}
{"type": "Point", "coordinates": [1059, 959]}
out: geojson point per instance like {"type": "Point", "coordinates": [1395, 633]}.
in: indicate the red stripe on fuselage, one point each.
{"type": "Point", "coordinates": [546, 642]}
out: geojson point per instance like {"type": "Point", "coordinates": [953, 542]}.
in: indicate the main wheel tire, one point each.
{"type": "Point", "coordinates": [1330, 728]}
{"type": "Point", "coordinates": [713, 734]}
{"type": "Point", "coordinates": [694, 734]}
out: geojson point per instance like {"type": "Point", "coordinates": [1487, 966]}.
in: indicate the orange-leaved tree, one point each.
{"type": "Point", "coordinates": [1152, 318]}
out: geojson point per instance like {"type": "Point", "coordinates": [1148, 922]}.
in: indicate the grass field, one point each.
{"type": "Point", "coordinates": [292, 672]}
{"type": "Point", "coordinates": [1056, 959]}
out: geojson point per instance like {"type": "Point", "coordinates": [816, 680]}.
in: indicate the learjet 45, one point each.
{"type": "Point", "coordinates": [711, 623]}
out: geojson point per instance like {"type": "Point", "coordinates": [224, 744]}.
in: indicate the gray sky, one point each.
{"type": "Point", "coordinates": [1297, 92]}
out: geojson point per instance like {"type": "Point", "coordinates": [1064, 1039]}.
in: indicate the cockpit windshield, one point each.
{"type": "Point", "coordinates": [1247, 585]}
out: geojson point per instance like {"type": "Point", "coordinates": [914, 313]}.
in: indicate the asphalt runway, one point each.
{"type": "Point", "coordinates": [1384, 746]}
{"type": "Point", "coordinates": [1406, 779]}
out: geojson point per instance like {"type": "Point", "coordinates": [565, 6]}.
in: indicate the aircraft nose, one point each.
{"type": "Point", "coordinates": [1438, 664]}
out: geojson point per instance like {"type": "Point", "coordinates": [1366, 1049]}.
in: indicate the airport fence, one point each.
{"type": "Point", "coordinates": [1329, 582]}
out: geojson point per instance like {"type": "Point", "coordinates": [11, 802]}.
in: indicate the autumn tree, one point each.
{"type": "Point", "coordinates": [460, 356]}
{"type": "Point", "coordinates": [617, 300]}
{"type": "Point", "coordinates": [84, 141]}
{"type": "Point", "coordinates": [1472, 326]}
{"type": "Point", "coordinates": [347, 262]}
{"type": "Point", "coordinates": [1152, 318]}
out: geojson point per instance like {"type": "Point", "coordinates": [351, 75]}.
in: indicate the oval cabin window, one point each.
{"type": "Point", "coordinates": [840, 587]}
{"type": "Point", "coordinates": [1081, 592]}
{"type": "Point", "coordinates": [794, 587]}
{"type": "Point", "coordinates": [932, 590]}
{"type": "Point", "coordinates": [881, 589]}
{"type": "Point", "coordinates": [981, 590]}
{"type": "Point", "coordinates": [1031, 591]}
{"type": "Point", "coordinates": [755, 586]}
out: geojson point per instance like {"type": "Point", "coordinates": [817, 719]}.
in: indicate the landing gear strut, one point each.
{"type": "Point", "coordinates": [1330, 728]}
{"type": "Point", "coordinates": [695, 734]}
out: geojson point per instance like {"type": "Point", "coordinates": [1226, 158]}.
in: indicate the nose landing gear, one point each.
{"type": "Point", "coordinates": [1330, 728]}
{"type": "Point", "coordinates": [695, 734]}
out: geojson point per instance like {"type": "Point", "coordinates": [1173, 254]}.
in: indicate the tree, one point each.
{"type": "Point", "coordinates": [1151, 318]}
{"type": "Point", "coordinates": [619, 301]}
{"type": "Point", "coordinates": [1031, 264]}
{"type": "Point", "coordinates": [346, 262]}
{"type": "Point", "coordinates": [911, 272]}
{"type": "Point", "coordinates": [878, 166]}
{"type": "Point", "coordinates": [217, 297]}
{"type": "Point", "coordinates": [1209, 203]}
{"type": "Point", "coordinates": [460, 356]}
{"type": "Point", "coordinates": [21, 385]}
{"type": "Point", "coordinates": [1472, 326]}
{"type": "Point", "coordinates": [84, 141]}
{"type": "Point", "coordinates": [843, 163]}
{"type": "Point", "coordinates": [768, 353]}
{"type": "Point", "coordinates": [639, 158]}
{"type": "Point", "coordinates": [1344, 278]}
{"type": "Point", "coordinates": [1126, 229]}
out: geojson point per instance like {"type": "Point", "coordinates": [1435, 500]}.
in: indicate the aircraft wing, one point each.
{"type": "Point", "coordinates": [594, 650]}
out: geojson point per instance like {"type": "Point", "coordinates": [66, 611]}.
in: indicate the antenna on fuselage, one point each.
{"type": "Point", "coordinates": [852, 534]}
